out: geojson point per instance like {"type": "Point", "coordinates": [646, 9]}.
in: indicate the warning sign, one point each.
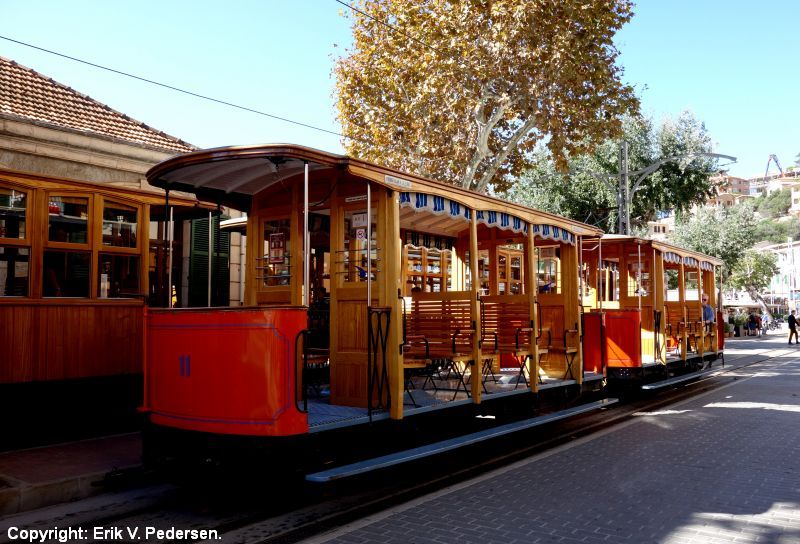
{"type": "Point", "coordinates": [361, 234]}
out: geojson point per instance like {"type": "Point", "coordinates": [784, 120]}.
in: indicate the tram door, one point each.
{"type": "Point", "coordinates": [320, 278]}
{"type": "Point", "coordinates": [352, 243]}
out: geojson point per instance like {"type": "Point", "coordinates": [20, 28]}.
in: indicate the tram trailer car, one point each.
{"type": "Point", "coordinates": [643, 303]}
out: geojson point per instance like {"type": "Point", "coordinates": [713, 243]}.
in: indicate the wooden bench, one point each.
{"type": "Point", "coordinates": [439, 330]}
{"type": "Point", "coordinates": [674, 328]}
{"type": "Point", "coordinates": [506, 329]}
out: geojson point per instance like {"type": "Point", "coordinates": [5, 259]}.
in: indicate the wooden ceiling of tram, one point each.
{"type": "Point", "coordinates": [423, 221]}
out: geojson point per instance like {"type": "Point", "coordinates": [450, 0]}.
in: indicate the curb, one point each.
{"type": "Point", "coordinates": [19, 497]}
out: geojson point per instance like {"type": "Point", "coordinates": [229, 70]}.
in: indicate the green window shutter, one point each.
{"type": "Point", "coordinates": [198, 265]}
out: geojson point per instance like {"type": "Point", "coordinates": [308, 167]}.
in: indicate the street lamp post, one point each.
{"type": "Point", "coordinates": [626, 191]}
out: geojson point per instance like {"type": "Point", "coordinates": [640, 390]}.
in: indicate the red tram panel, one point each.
{"type": "Point", "coordinates": [623, 338]}
{"type": "Point", "coordinates": [593, 356]}
{"type": "Point", "coordinates": [720, 331]}
{"type": "Point", "coordinates": [228, 371]}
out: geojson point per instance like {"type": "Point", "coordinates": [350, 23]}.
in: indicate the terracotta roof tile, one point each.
{"type": "Point", "coordinates": [28, 94]}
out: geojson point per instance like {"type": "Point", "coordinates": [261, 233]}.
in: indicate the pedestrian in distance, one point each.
{"type": "Point", "coordinates": [792, 327]}
{"type": "Point", "coordinates": [751, 324]}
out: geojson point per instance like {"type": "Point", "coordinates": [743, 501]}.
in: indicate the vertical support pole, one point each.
{"type": "Point", "coordinates": [627, 189]}
{"type": "Point", "coordinates": [532, 291]}
{"type": "Point", "coordinates": [210, 253]}
{"type": "Point", "coordinates": [306, 241]}
{"type": "Point", "coordinates": [639, 276]}
{"type": "Point", "coordinates": [169, 257]}
{"type": "Point", "coordinates": [476, 382]}
{"type": "Point", "coordinates": [682, 299]}
{"type": "Point", "coordinates": [390, 276]}
{"type": "Point", "coordinates": [369, 246]}
{"type": "Point", "coordinates": [600, 293]}
{"type": "Point", "coordinates": [701, 288]}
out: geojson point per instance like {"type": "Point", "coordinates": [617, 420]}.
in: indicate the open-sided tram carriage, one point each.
{"type": "Point", "coordinates": [643, 311]}
{"type": "Point", "coordinates": [375, 296]}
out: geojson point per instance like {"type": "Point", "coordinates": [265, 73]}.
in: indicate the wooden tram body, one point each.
{"type": "Point", "coordinates": [377, 316]}
{"type": "Point", "coordinates": [643, 310]}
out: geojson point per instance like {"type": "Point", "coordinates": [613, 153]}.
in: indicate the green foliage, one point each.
{"type": "Point", "coordinates": [725, 233]}
{"type": "Point", "coordinates": [588, 192]}
{"type": "Point", "coordinates": [776, 204]}
{"type": "Point", "coordinates": [777, 231]}
{"type": "Point", "coordinates": [754, 270]}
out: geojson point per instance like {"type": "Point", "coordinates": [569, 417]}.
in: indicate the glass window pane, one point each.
{"type": "Point", "coordinates": [119, 225]}
{"type": "Point", "coordinates": [13, 205]}
{"type": "Point", "coordinates": [355, 254]}
{"type": "Point", "coordinates": [14, 272]}
{"type": "Point", "coordinates": [274, 268]}
{"type": "Point", "coordinates": [66, 273]}
{"type": "Point", "coordinates": [118, 276]}
{"type": "Point", "coordinates": [69, 217]}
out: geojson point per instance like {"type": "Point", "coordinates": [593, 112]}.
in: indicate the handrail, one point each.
{"type": "Point", "coordinates": [304, 335]}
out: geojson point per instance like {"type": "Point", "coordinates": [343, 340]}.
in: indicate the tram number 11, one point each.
{"type": "Point", "coordinates": [186, 366]}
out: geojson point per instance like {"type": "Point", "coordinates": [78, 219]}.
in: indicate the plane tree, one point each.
{"type": "Point", "coordinates": [463, 91]}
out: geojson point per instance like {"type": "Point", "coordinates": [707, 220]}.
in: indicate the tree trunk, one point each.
{"type": "Point", "coordinates": [756, 296]}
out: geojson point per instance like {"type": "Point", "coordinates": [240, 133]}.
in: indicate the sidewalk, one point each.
{"type": "Point", "coordinates": [717, 468]}
{"type": "Point", "coordinates": [38, 477]}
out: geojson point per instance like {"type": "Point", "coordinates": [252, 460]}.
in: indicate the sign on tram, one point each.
{"type": "Point", "coordinates": [277, 247]}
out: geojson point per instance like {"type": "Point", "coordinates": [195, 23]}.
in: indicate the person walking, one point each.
{"type": "Point", "coordinates": [792, 328]}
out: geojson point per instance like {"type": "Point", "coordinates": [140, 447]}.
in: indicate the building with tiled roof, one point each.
{"type": "Point", "coordinates": [83, 248]}
{"type": "Point", "coordinates": [27, 94]}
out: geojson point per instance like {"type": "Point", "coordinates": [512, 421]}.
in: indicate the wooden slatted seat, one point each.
{"type": "Point", "coordinates": [694, 326]}
{"type": "Point", "coordinates": [506, 330]}
{"type": "Point", "coordinates": [673, 327]}
{"type": "Point", "coordinates": [444, 322]}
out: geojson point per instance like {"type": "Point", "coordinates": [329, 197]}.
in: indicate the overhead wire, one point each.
{"type": "Point", "coordinates": [178, 89]}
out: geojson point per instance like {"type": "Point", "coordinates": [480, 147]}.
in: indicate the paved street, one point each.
{"type": "Point", "coordinates": [718, 468]}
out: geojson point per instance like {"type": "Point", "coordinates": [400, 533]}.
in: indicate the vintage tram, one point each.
{"type": "Point", "coordinates": [375, 296]}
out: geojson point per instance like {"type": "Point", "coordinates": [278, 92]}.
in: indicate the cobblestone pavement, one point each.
{"type": "Point", "coordinates": [718, 468]}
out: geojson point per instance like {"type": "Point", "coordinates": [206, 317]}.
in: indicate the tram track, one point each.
{"type": "Point", "coordinates": [289, 510]}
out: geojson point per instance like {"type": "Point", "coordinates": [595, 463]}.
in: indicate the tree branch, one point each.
{"type": "Point", "coordinates": [511, 144]}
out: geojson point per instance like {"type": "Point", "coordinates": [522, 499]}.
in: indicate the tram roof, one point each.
{"type": "Point", "coordinates": [662, 246]}
{"type": "Point", "coordinates": [233, 175]}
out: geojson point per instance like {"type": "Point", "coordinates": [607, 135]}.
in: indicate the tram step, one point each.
{"type": "Point", "coordinates": [678, 379]}
{"type": "Point", "coordinates": [436, 448]}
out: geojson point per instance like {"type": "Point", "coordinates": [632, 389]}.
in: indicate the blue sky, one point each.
{"type": "Point", "coordinates": [733, 63]}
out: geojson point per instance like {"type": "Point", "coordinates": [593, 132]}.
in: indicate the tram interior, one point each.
{"type": "Point", "coordinates": [436, 290]}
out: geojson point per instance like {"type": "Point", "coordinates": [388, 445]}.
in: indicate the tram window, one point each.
{"type": "Point", "coordinates": [671, 286]}
{"type": "Point", "coordinates": [609, 280]}
{"type": "Point", "coordinates": [118, 276]}
{"type": "Point", "coordinates": [547, 276]}
{"type": "Point", "coordinates": [119, 225]}
{"type": "Point", "coordinates": [355, 251]}
{"type": "Point", "coordinates": [14, 271]}
{"type": "Point", "coordinates": [638, 280]}
{"type": "Point", "coordinates": [274, 268]}
{"type": "Point", "coordinates": [13, 207]}
{"type": "Point", "coordinates": [66, 273]}
{"type": "Point", "coordinates": [69, 219]}
{"type": "Point", "coordinates": [691, 291]}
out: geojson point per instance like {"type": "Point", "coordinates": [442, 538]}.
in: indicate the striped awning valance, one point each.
{"type": "Point", "coordinates": [438, 205]}
{"type": "Point", "coordinates": [670, 257]}
{"type": "Point", "coordinates": [690, 261]}
{"type": "Point", "coordinates": [707, 266]}
{"type": "Point", "coordinates": [552, 232]}
{"type": "Point", "coordinates": [503, 221]}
